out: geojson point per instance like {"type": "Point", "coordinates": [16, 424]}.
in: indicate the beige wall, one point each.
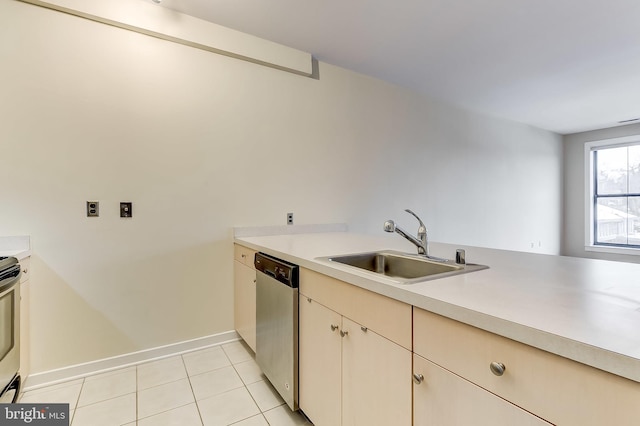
{"type": "Point", "coordinates": [574, 203]}
{"type": "Point", "coordinates": [201, 143]}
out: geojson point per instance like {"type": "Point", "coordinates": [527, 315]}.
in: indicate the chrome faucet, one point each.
{"type": "Point", "coordinates": [422, 243]}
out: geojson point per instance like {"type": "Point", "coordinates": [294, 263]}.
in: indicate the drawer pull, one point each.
{"type": "Point", "coordinates": [243, 255]}
{"type": "Point", "coordinates": [497, 368]}
{"type": "Point", "coordinates": [363, 328]}
{"type": "Point", "coordinates": [418, 378]}
{"type": "Point", "coordinates": [309, 299]}
{"type": "Point", "coordinates": [333, 327]}
{"type": "Point", "coordinates": [343, 333]}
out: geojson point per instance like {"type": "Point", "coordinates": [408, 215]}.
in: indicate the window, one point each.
{"type": "Point", "coordinates": [613, 196]}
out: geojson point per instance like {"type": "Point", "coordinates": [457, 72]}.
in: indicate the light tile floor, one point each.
{"type": "Point", "coordinates": [221, 385]}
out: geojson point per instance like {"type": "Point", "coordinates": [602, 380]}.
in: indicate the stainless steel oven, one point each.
{"type": "Point", "coordinates": [9, 329]}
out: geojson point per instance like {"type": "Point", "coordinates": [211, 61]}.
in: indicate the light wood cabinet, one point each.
{"type": "Point", "coordinates": [244, 255]}
{"type": "Point", "coordinates": [320, 362]}
{"type": "Point", "coordinates": [376, 378]}
{"type": "Point", "coordinates": [350, 374]}
{"type": "Point", "coordinates": [358, 351]}
{"type": "Point", "coordinates": [25, 327]}
{"type": "Point", "coordinates": [387, 317]}
{"type": "Point", "coordinates": [440, 398]}
{"type": "Point", "coordinates": [554, 388]}
{"type": "Point", "coordinates": [244, 294]}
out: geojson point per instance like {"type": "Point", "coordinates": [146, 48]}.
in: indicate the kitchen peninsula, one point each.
{"type": "Point", "coordinates": [569, 324]}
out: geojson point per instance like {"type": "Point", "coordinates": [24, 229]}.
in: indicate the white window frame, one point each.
{"type": "Point", "coordinates": [588, 193]}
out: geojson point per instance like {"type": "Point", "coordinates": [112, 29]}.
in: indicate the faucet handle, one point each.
{"type": "Point", "coordinates": [416, 216]}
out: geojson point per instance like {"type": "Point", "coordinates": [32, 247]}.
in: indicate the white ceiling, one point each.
{"type": "Point", "coordinates": [562, 65]}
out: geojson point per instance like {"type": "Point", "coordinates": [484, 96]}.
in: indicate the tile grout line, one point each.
{"type": "Point", "coordinates": [190, 385]}
{"type": "Point", "coordinates": [162, 412]}
{"type": "Point", "coordinates": [195, 400]}
{"type": "Point", "coordinates": [245, 386]}
{"type": "Point", "coordinates": [163, 384]}
{"type": "Point", "coordinates": [75, 407]}
{"type": "Point", "coordinates": [250, 417]}
{"type": "Point", "coordinates": [105, 400]}
{"type": "Point", "coordinates": [84, 381]}
{"type": "Point", "coordinates": [241, 355]}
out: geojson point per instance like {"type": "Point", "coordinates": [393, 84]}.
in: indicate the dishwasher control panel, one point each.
{"type": "Point", "coordinates": [281, 270]}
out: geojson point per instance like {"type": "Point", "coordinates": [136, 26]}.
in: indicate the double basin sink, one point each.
{"type": "Point", "coordinates": [404, 268]}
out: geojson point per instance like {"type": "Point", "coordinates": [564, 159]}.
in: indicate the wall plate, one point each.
{"type": "Point", "coordinates": [126, 209]}
{"type": "Point", "coordinates": [93, 209]}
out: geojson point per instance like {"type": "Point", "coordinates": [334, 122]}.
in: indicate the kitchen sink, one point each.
{"type": "Point", "coordinates": [402, 267]}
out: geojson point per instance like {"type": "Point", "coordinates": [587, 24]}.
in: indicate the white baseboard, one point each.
{"type": "Point", "coordinates": [71, 372]}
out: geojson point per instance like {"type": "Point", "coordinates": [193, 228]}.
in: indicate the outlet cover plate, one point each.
{"type": "Point", "coordinates": [93, 209]}
{"type": "Point", "coordinates": [126, 209]}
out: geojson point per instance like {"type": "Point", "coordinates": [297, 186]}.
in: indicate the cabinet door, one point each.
{"type": "Point", "coordinates": [244, 292]}
{"type": "Point", "coordinates": [376, 378]}
{"type": "Point", "coordinates": [444, 399]}
{"type": "Point", "coordinates": [319, 363]}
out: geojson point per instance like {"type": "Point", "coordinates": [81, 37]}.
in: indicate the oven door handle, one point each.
{"type": "Point", "coordinates": [9, 278]}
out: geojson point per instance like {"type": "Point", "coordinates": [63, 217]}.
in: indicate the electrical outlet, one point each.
{"type": "Point", "coordinates": [126, 209]}
{"type": "Point", "coordinates": [93, 209]}
{"type": "Point", "coordinates": [289, 218]}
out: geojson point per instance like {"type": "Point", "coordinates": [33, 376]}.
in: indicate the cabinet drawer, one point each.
{"type": "Point", "coordinates": [244, 255]}
{"type": "Point", "coordinates": [557, 389]}
{"type": "Point", "coordinates": [444, 399]}
{"type": "Point", "coordinates": [387, 317]}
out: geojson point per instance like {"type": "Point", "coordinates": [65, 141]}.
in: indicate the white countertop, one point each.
{"type": "Point", "coordinates": [18, 247]}
{"type": "Point", "coordinates": [583, 309]}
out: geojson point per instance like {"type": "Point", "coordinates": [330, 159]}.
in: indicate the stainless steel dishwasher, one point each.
{"type": "Point", "coordinates": [277, 324]}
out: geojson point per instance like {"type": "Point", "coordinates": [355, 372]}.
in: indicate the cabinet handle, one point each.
{"type": "Point", "coordinates": [497, 368]}
{"type": "Point", "coordinates": [333, 327]}
{"type": "Point", "coordinates": [363, 328]}
{"type": "Point", "coordinates": [254, 281]}
{"type": "Point", "coordinates": [343, 333]}
{"type": "Point", "coordinates": [418, 378]}
{"type": "Point", "coordinates": [309, 299]}
{"type": "Point", "coordinates": [25, 270]}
